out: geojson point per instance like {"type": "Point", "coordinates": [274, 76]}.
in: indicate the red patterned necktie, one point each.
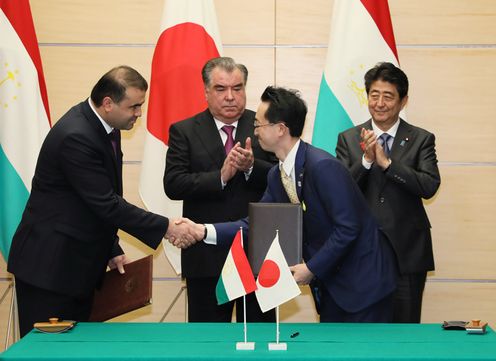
{"type": "Point", "coordinates": [228, 129]}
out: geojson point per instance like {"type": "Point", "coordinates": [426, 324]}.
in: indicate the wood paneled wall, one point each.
{"type": "Point", "coordinates": [446, 47]}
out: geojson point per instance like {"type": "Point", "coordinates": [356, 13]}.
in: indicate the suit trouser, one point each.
{"type": "Point", "coordinates": [202, 304]}
{"type": "Point", "coordinates": [38, 305]}
{"type": "Point", "coordinates": [330, 311]}
{"type": "Point", "coordinates": [407, 299]}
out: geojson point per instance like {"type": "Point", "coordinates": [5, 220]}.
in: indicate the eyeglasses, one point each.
{"type": "Point", "coordinates": [257, 125]}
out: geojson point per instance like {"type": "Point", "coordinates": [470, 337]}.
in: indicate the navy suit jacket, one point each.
{"type": "Point", "coordinates": [342, 245]}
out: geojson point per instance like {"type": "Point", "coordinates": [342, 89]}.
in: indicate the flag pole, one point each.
{"type": "Point", "coordinates": [277, 346]}
{"type": "Point", "coordinates": [277, 324]}
{"type": "Point", "coordinates": [244, 318]}
{"type": "Point", "coordinates": [244, 345]}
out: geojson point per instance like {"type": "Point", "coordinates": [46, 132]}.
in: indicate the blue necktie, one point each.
{"type": "Point", "coordinates": [385, 138]}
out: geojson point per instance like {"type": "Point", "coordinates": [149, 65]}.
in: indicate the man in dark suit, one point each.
{"type": "Point", "coordinates": [395, 166]}
{"type": "Point", "coordinates": [348, 262]}
{"type": "Point", "coordinates": [216, 167]}
{"type": "Point", "coordinates": [68, 232]}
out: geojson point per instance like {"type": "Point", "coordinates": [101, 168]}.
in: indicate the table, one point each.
{"type": "Point", "coordinates": [208, 341]}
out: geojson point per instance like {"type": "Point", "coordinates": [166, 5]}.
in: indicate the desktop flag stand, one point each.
{"type": "Point", "coordinates": [274, 286]}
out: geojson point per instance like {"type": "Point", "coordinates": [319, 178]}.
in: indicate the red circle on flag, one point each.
{"type": "Point", "coordinates": [269, 274]}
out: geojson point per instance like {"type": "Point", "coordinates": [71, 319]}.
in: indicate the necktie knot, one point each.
{"type": "Point", "coordinates": [228, 129]}
{"type": "Point", "coordinates": [385, 143]}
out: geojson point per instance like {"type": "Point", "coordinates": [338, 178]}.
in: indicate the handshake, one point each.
{"type": "Point", "coordinates": [183, 232]}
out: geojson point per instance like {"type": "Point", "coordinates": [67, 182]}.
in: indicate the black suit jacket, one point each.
{"type": "Point", "coordinates": [395, 196]}
{"type": "Point", "coordinates": [192, 174]}
{"type": "Point", "coordinates": [68, 231]}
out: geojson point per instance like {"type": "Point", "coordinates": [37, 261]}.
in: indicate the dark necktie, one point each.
{"type": "Point", "coordinates": [385, 138]}
{"type": "Point", "coordinates": [228, 129]}
{"type": "Point", "coordinates": [113, 140]}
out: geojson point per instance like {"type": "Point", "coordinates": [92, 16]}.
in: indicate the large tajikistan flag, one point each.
{"type": "Point", "coordinates": [361, 36]}
{"type": "Point", "coordinates": [189, 37]}
{"type": "Point", "coordinates": [24, 114]}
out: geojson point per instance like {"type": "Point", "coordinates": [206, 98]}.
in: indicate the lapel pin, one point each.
{"type": "Point", "coordinates": [403, 142]}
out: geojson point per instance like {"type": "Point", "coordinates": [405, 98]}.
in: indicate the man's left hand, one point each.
{"type": "Point", "coordinates": [301, 274]}
{"type": "Point", "coordinates": [118, 262]}
{"type": "Point", "coordinates": [243, 157]}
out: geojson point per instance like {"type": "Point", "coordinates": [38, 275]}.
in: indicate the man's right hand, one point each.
{"type": "Point", "coordinates": [369, 141]}
{"type": "Point", "coordinates": [228, 170]}
{"type": "Point", "coordinates": [183, 232]}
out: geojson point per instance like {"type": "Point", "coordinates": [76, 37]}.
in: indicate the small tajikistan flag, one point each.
{"type": "Point", "coordinates": [236, 278]}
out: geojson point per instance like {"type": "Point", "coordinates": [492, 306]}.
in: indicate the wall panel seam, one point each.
{"type": "Point", "coordinates": [269, 46]}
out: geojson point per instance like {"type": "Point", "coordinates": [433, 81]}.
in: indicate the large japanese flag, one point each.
{"type": "Point", "coordinates": [361, 36]}
{"type": "Point", "coordinates": [24, 114]}
{"type": "Point", "coordinates": [275, 283]}
{"type": "Point", "coordinates": [189, 37]}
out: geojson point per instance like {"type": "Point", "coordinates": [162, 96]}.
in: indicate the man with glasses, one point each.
{"type": "Point", "coordinates": [216, 167]}
{"type": "Point", "coordinates": [348, 262]}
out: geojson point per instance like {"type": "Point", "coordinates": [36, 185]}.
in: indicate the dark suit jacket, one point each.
{"type": "Point", "coordinates": [192, 174]}
{"type": "Point", "coordinates": [68, 230]}
{"type": "Point", "coordinates": [341, 241]}
{"type": "Point", "coordinates": [395, 196]}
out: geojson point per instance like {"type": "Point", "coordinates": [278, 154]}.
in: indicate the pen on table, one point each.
{"type": "Point", "coordinates": [293, 335]}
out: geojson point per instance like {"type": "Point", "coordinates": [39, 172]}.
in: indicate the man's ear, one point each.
{"type": "Point", "coordinates": [107, 104]}
{"type": "Point", "coordinates": [404, 102]}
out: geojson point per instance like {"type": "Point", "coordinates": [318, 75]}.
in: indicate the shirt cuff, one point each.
{"type": "Point", "coordinates": [211, 235]}
{"type": "Point", "coordinates": [248, 173]}
{"type": "Point", "coordinates": [365, 163]}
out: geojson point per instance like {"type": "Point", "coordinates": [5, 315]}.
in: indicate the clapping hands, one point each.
{"type": "Point", "coordinates": [183, 232]}
{"type": "Point", "coordinates": [239, 159]}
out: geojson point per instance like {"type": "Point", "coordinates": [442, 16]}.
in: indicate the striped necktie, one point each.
{"type": "Point", "coordinates": [385, 138]}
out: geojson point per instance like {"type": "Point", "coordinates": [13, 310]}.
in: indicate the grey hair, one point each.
{"type": "Point", "coordinates": [225, 63]}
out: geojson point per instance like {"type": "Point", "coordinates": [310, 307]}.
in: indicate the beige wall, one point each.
{"type": "Point", "coordinates": [447, 48]}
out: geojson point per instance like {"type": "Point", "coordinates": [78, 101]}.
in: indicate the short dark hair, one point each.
{"type": "Point", "coordinates": [114, 83]}
{"type": "Point", "coordinates": [390, 73]}
{"type": "Point", "coordinates": [285, 106]}
{"type": "Point", "coordinates": [225, 63]}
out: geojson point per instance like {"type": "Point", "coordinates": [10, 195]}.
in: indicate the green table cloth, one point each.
{"type": "Point", "coordinates": [208, 341]}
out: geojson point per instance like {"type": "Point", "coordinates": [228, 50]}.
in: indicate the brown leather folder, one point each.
{"type": "Point", "coordinates": [122, 293]}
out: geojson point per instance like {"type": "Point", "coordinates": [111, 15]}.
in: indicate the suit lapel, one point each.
{"type": "Point", "coordinates": [300, 167]}
{"type": "Point", "coordinates": [209, 136]}
{"type": "Point", "coordinates": [400, 145]}
{"type": "Point", "coordinates": [402, 140]}
{"type": "Point", "coordinates": [116, 161]}
{"type": "Point", "coordinates": [244, 129]}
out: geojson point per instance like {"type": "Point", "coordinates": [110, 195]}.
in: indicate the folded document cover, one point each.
{"type": "Point", "coordinates": [122, 293]}
{"type": "Point", "coordinates": [265, 219]}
